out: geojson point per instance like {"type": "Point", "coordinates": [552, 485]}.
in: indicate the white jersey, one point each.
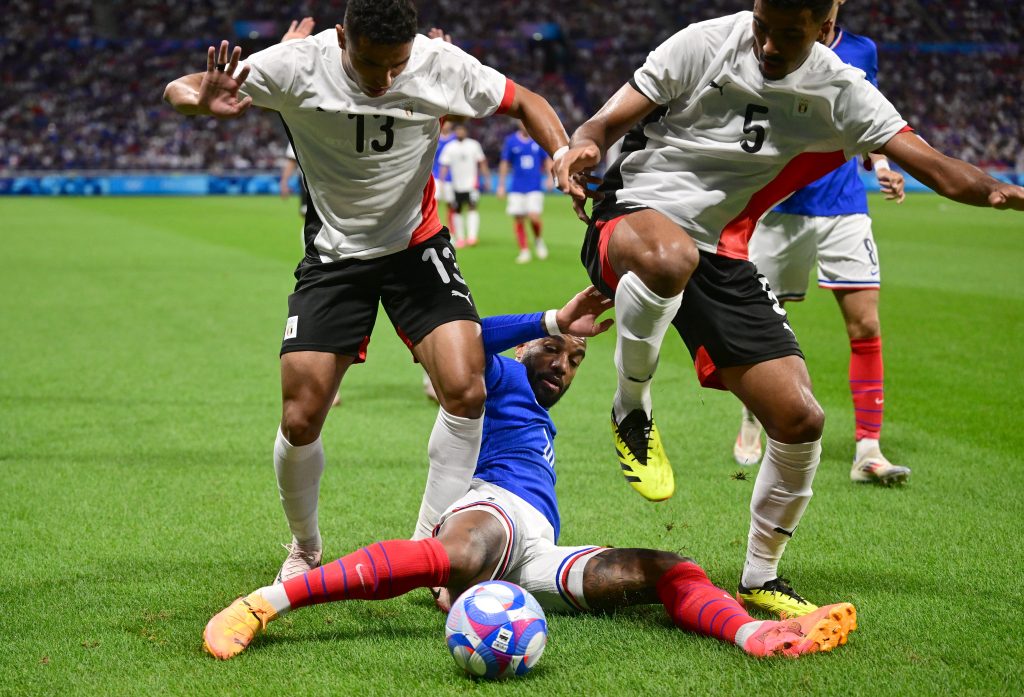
{"type": "Point", "coordinates": [367, 160]}
{"type": "Point", "coordinates": [732, 143]}
{"type": "Point", "coordinates": [463, 158]}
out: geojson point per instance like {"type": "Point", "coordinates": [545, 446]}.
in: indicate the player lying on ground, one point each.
{"type": "Point", "coordinates": [738, 113]}
{"type": "Point", "coordinates": [506, 527]}
{"type": "Point", "coordinates": [362, 103]}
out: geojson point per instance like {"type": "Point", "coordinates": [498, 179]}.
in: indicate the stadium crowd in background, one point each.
{"type": "Point", "coordinates": [66, 101]}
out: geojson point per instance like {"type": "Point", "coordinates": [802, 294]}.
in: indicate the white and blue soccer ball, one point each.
{"type": "Point", "coordinates": [496, 630]}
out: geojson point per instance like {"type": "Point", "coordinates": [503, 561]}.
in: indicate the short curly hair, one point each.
{"type": "Point", "coordinates": [819, 8]}
{"type": "Point", "coordinates": [381, 21]}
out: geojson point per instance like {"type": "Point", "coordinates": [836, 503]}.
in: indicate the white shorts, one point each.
{"type": "Point", "coordinates": [553, 574]}
{"type": "Point", "coordinates": [443, 191]}
{"type": "Point", "coordinates": [784, 247]}
{"type": "Point", "coordinates": [525, 204]}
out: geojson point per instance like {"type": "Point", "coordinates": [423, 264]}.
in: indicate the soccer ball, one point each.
{"type": "Point", "coordinates": [496, 630]}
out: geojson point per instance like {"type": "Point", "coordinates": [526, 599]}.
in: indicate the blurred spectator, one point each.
{"type": "Point", "coordinates": [80, 80]}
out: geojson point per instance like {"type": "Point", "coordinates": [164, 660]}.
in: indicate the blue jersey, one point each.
{"type": "Point", "coordinates": [517, 449]}
{"type": "Point", "coordinates": [527, 163]}
{"type": "Point", "coordinates": [441, 142]}
{"type": "Point", "coordinates": [840, 192]}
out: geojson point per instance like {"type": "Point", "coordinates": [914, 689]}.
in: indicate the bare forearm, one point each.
{"type": "Point", "coordinates": [625, 109]}
{"type": "Point", "coordinates": [183, 95]}
{"type": "Point", "coordinates": [956, 180]}
{"type": "Point", "coordinates": [539, 119]}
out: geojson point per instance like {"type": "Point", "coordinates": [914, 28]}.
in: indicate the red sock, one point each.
{"type": "Point", "coordinates": [697, 605]}
{"type": "Point", "coordinates": [866, 386]}
{"type": "Point", "coordinates": [376, 572]}
{"type": "Point", "coordinates": [535, 224]}
{"type": "Point", "coordinates": [520, 234]}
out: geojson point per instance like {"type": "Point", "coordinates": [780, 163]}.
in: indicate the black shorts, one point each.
{"type": "Point", "coordinates": [465, 198]}
{"type": "Point", "coordinates": [729, 316]}
{"type": "Point", "coordinates": [334, 305]}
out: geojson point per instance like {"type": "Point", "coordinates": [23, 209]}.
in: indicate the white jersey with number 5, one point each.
{"type": "Point", "coordinates": [367, 160]}
{"type": "Point", "coordinates": [733, 143]}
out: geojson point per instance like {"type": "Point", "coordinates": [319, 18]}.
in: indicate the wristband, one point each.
{"type": "Point", "coordinates": [558, 154]}
{"type": "Point", "coordinates": [881, 166]}
{"type": "Point", "coordinates": [551, 323]}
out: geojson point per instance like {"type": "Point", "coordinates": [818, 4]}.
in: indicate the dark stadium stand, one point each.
{"type": "Point", "coordinates": [81, 80]}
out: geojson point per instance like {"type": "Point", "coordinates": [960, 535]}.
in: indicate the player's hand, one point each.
{"type": "Point", "coordinates": [299, 30]}
{"type": "Point", "coordinates": [1006, 197]}
{"type": "Point", "coordinates": [438, 33]}
{"type": "Point", "coordinates": [579, 316]}
{"type": "Point", "coordinates": [891, 184]}
{"type": "Point", "coordinates": [218, 93]}
{"type": "Point", "coordinates": [572, 173]}
{"type": "Point", "coordinates": [500, 193]}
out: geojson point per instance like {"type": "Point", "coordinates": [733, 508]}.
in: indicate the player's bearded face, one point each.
{"type": "Point", "coordinates": [373, 67]}
{"type": "Point", "coordinates": [551, 365]}
{"type": "Point", "coordinates": [783, 39]}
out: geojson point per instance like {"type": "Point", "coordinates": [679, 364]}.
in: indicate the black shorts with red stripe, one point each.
{"type": "Point", "coordinates": [729, 316]}
{"type": "Point", "coordinates": [334, 305]}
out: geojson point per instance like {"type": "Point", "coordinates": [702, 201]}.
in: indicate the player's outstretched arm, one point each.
{"type": "Point", "coordinates": [953, 178]}
{"type": "Point", "coordinates": [590, 141]}
{"type": "Point", "coordinates": [299, 30]}
{"type": "Point", "coordinates": [539, 118]}
{"type": "Point", "coordinates": [215, 92]}
{"type": "Point", "coordinates": [579, 316]}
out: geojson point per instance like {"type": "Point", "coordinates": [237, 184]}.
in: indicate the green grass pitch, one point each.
{"type": "Point", "coordinates": [139, 400]}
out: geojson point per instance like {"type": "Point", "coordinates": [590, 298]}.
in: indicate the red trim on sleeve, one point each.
{"type": "Point", "coordinates": [507, 98]}
{"type": "Point", "coordinates": [798, 173]}
{"type": "Point", "coordinates": [906, 129]}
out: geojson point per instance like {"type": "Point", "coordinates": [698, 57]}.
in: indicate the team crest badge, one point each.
{"type": "Point", "coordinates": [802, 107]}
{"type": "Point", "coordinates": [291, 328]}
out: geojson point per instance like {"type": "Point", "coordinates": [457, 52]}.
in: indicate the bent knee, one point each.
{"type": "Point", "coordinates": [666, 268]}
{"type": "Point", "coordinates": [464, 398]}
{"type": "Point", "coordinates": [301, 423]}
{"type": "Point", "coordinates": [475, 544]}
{"type": "Point", "coordinates": [804, 424]}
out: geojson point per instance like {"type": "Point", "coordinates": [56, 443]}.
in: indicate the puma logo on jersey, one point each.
{"type": "Point", "coordinates": [720, 88]}
{"type": "Point", "coordinates": [456, 293]}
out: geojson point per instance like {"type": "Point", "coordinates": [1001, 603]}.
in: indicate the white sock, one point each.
{"type": "Point", "coordinates": [642, 317]}
{"type": "Point", "coordinates": [865, 447]}
{"type": "Point", "coordinates": [459, 223]}
{"type": "Point", "coordinates": [781, 493]}
{"type": "Point", "coordinates": [278, 599]}
{"type": "Point", "coordinates": [453, 450]}
{"type": "Point", "coordinates": [298, 471]}
{"type": "Point", "coordinates": [744, 632]}
{"type": "Point", "coordinates": [474, 224]}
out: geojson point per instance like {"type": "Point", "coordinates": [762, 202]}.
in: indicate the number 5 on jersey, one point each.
{"type": "Point", "coordinates": [750, 129]}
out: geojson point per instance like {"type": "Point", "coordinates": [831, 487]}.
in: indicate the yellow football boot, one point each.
{"type": "Point", "coordinates": [231, 629]}
{"type": "Point", "coordinates": [776, 597]}
{"type": "Point", "coordinates": [642, 457]}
